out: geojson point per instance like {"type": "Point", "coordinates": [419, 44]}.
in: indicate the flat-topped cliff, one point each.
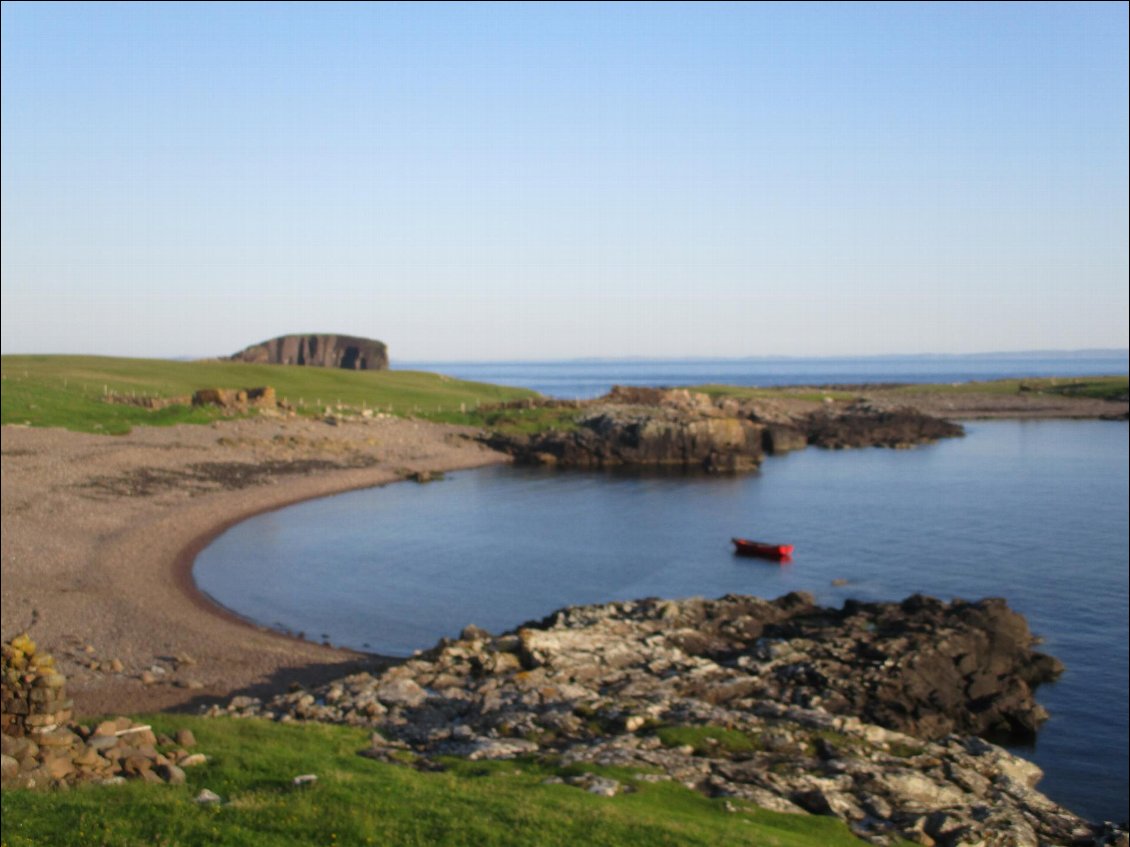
{"type": "Point", "coordinates": [320, 350]}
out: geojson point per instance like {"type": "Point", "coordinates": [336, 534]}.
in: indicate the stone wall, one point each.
{"type": "Point", "coordinates": [42, 747]}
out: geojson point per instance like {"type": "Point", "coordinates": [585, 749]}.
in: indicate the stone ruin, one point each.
{"type": "Point", "coordinates": [235, 400]}
{"type": "Point", "coordinates": [42, 746]}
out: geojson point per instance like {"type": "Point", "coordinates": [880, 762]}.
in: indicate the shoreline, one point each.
{"type": "Point", "coordinates": [104, 580]}
{"type": "Point", "coordinates": [185, 561]}
{"type": "Point", "coordinates": [102, 532]}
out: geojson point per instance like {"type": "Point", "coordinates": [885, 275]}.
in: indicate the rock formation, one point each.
{"type": "Point", "coordinates": [651, 438]}
{"type": "Point", "coordinates": [863, 712]}
{"type": "Point", "coordinates": [319, 350]}
{"type": "Point", "coordinates": [653, 427]}
{"type": "Point", "coordinates": [861, 426]}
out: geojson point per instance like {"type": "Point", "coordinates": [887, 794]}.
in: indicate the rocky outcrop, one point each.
{"type": "Point", "coordinates": [41, 747]}
{"type": "Point", "coordinates": [324, 351]}
{"type": "Point", "coordinates": [647, 438]}
{"type": "Point", "coordinates": [656, 427]}
{"type": "Point", "coordinates": [861, 426]}
{"type": "Point", "coordinates": [852, 712]}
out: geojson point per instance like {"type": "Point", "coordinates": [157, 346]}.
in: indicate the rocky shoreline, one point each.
{"type": "Point", "coordinates": [98, 542]}
{"type": "Point", "coordinates": [871, 713]}
{"type": "Point", "coordinates": [651, 427]}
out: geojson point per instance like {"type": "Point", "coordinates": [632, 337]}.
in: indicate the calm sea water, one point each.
{"type": "Point", "coordinates": [582, 379]}
{"type": "Point", "coordinates": [1035, 512]}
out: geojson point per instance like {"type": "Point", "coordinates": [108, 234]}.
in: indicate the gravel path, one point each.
{"type": "Point", "coordinates": [99, 534]}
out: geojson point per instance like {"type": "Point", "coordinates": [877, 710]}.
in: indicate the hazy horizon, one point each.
{"type": "Point", "coordinates": [492, 182]}
{"type": "Point", "coordinates": [1080, 353]}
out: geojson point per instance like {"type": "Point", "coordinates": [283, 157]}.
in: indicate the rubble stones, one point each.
{"type": "Point", "coordinates": [236, 399]}
{"type": "Point", "coordinates": [42, 747]}
{"type": "Point", "coordinates": [864, 713]}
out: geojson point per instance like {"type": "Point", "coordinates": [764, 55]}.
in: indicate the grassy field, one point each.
{"type": "Point", "coordinates": [358, 801]}
{"type": "Point", "coordinates": [72, 391]}
{"type": "Point", "coordinates": [1098, 387]}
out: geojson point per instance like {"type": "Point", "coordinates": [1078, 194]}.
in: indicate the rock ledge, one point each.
{"type": "Point", "coordinates": [870, 713]}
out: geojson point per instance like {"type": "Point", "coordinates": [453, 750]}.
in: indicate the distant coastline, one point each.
{"type": "Point", "coordinates": [587, 378]}
{"type": "Point", "coordinates": [1081, 353]}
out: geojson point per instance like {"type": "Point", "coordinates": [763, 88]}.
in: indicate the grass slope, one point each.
{"type": "Point", "coordinates": [359, 801]}
{"type": "Point", "coordinates": [70, 391]}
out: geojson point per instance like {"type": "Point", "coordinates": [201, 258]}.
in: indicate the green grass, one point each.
{"type": "Point", "coordinates": [1099, 387]}
{"type": "Point", "coordinates": [708, 739]}
{"type": "Point", "coordinates": [70, 391]}
{"type": "Point", "coordinates": [359, 801]}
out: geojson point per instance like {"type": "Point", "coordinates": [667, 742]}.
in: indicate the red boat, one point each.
{"type": "Point", "coordinates": [745, 547]}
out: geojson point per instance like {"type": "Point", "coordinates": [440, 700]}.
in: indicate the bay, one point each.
{"type": "Point", "coordinates": [1035, 512]}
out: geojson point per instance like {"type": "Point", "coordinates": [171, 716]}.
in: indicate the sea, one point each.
{"type": "Point", "coordinates": [586, 378]}
{"type": "Point", "coordinates": [1032, 511]}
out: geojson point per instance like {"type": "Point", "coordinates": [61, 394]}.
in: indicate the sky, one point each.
{"type": "Point", "coordinates": [543, 181]}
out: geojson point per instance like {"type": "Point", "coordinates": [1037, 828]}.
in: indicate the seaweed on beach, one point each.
{"type": "Point", "coordinates": [205, 477]}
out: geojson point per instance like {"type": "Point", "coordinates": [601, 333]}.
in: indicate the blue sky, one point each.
{"type": "Point", "coordinates": [549, 181]}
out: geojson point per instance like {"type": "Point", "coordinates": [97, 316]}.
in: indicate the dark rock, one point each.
{"type": "Point", "coordinates": [318, 350]}
{"type": "Point", "coordinates": [654, 427]}
{"type": "Point", "coordinates": [861, 426]}
{"type": "Point", "coordinates": [644, 438]}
